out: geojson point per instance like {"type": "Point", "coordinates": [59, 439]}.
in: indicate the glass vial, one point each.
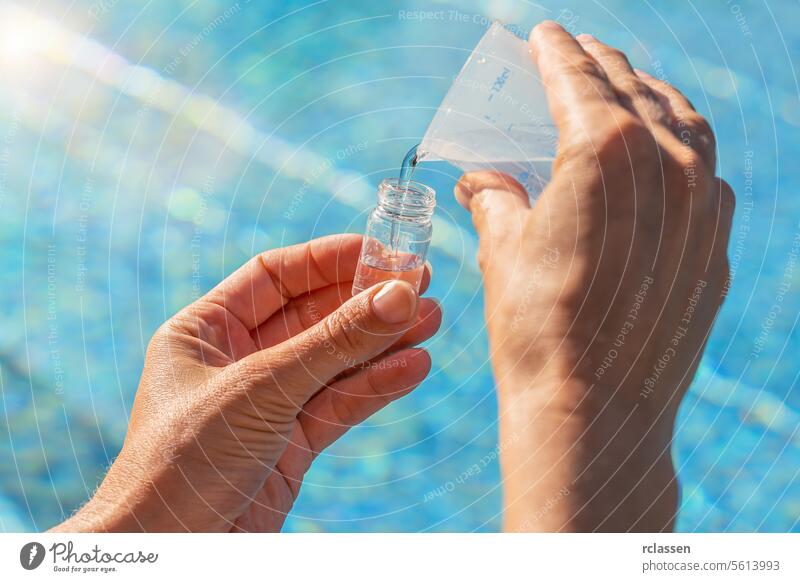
{"type": "Point", "coordinates": [397, 237]}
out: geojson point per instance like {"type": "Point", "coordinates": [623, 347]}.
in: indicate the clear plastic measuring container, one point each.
{"type": "Point", "coordinates": [495, 114]}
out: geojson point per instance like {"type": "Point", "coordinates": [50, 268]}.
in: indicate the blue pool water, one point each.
{"type": "Point", "coordinates": [125, 193]}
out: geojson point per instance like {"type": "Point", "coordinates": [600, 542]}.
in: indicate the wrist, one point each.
{"type": "Point", "coordinates": [577, 459]}
{"type": "Point", "coordinates": [126, 501]}
{"type": "Point", "coordinates": [569, 387]}
{"type": "Point", "coordinates": [111, 508]}
{"type": "Point", "coordinates": [95, 517]}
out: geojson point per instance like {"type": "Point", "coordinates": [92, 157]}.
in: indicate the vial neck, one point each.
{"type": "Point", "coordinates": [416, 202]}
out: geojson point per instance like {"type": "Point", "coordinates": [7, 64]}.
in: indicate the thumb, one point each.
{"type": "Point", "coordinates": [362, 328]}
{"type": "Point", "coordinates": [499, 205]}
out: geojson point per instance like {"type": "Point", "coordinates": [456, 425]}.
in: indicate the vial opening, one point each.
{"type": "Point", "coordinates": [413, 200]}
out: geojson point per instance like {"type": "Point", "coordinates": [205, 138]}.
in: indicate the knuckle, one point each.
{"type": "Point", "coordinates": [692, 162]}
{"type": "Point", "coordinates": [637, 88]}
{"type": "Point", "coordinates": [685, 156]}
{"type": "Point", "coordinates": [727, 203]}
{"type": "Point", "coordinates": [607, 54]}
{"type": "Point", "coordinates": [692, 127]}
{"type": "Point", "coordinates": [247, 372]}
{"type": "Point", "coordinates": [615, 67]}
{"type": "Point", "coordinates": [372, 390]}
{"type": "Point", "coordinates": [165, 333]}
{"type": "Point", "coordinates": [728, 195]}
{"type": "Point", "coordinates": [709, 145]}
{"type": "Point", "coordinates": [702, 126]}
{"type": "Point", "coordinates": [344, 413]}
{"type": "Point", "coordinates": [350, 409]}
{"type": "Point", "coordinates": [487, 255]}
{"type": "Point", "coordinates": [618, 55]}
{"type": "Point", "coordinates": [484, 261]}
{"type": "Point", "coordinates": [586, 67]}
{"type": "Point", "coordinates": [679, 100]}
{"type": "Point", "coordinates": [343, 333]}
{"type": "Point", "coordinates": [702, 129]}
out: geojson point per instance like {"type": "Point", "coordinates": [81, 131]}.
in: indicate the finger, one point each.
{"type": "Point", "coordinates": [287, 324]}
{"type": "Point", "coordinates": [295, 462]}
{"type": "Point", "coordinates": [578, 91]}
{"type": "Point", "coordinates": [271, 279]}
{"type": "Point", "coordinates": [632, 92]}
{"type": "Point", "coordinates": [333, 411]}
{"type": "Point", "coordinates": [677, 101]}
{"type": "Point", "coordinates": [359, 330]}
{"type": "Point", "coordinates": [726, 205]}
{"type": "Point", "coordinates": [300, 314]}
{"type": "Point", "coordinates": [303, 312]}
{"type": "Point", "coordinates": [427, 273]}
{"type": "Point", "coordinates": [499, 206]}
{"type": "Point", "coordinates": [429, 320]}
{"type": "Point", "coordinates": [688, 125]}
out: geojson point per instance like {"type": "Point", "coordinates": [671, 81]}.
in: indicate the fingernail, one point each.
{"type": "Point", "coordinates": [419, 355]}
{"type": "Point", "coordinates": [430, 268]}
{"type": "Point", "coordinates": [585, 38]}
{"type": "Point", "coordinates": [396, 302]}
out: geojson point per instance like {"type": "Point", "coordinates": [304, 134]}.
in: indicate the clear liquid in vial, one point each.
{"type": "Point", "coordinates": [390, 269]}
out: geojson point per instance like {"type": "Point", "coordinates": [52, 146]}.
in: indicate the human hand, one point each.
{"type": "Point", "coordinates": [599, 299]}
{"type": "Point", "coordinates": [242, 389]}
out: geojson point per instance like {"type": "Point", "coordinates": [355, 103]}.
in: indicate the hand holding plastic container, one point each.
{"type": "Point", "coordinates": [494, 117]}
